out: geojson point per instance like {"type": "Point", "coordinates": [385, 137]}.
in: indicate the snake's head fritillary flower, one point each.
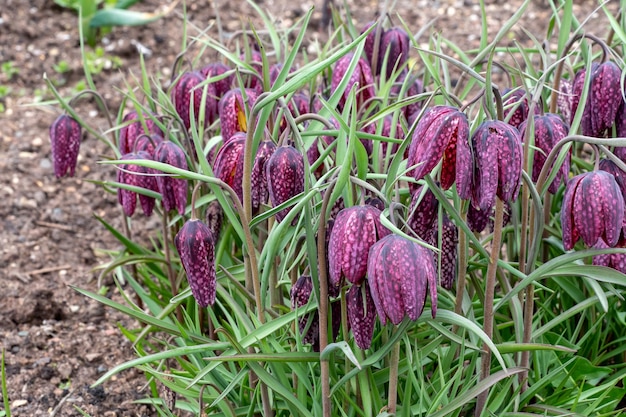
{"type": "Point", "coordinates": [449, 248]}
{"type": "Point", "coordinates": [497, 150]}
{"type": "Point", "coordinates": [394, 46]}
{"type": "Point", "coordinates": [173, 190]}
{"type": "Point", "coordinates": [423, 214]}
{"type": "Point", "coordinates": [516, 106]}
{"type": "Point", "coordinates": [593, 208]}
{"type": "Point", "coordinates": [355, 230]}
{"type": "Point", "coordinates": [217, 69]}
{"type": "Point", "coordinates": [228, 165]}
{"type": "Point", "coordinates": [361, 314]}
{"type": "Point", "coordinates": [186, 90]}
{"type": "Point", "coordinates": [232, 111]}
{"type": "Point", "coordinates": [370, 42]}
{"type": "Point", "coordinates": [132, 129]}
{"type": "Point", "coordinates": [258, 180]}
{"type": "Point", "coordinates": [443, 132]}
{"type": "Point", "coordinates": [362, 76]}
{"type": "Point", "coordinates": [148, 143]}
{"type": "Point", "coordinates": [549, 130]}
{"type": "Point", "coordinates": [214, 217]}
{"type": "Point", "coordinates": [616, 261]}
{"type": "Point", "coordinates": [196, 247]}
{"type": "Point", "coordinates": [603, 99]}
{"type": "Point", "coordinates": [284, 172]}
{"type": "Point", "coordinates": [65, 135]}
{"type": "Point", "coordinates": [399, 273]}
{"type": "Point", "coordinates": [138, 176]}
{"type": "Point", "coordinates": [478, 219]}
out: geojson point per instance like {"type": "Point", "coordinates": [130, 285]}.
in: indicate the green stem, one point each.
{"type": "Point", "coordinates": [394, 361]}
{"type": "Point", "coordinates": [323, 301]}
{"type": "Point", "coordinates": [462, 272]}
{"type": "Point", "coordinates": [5, 391]}
{"type": "Point", "coordinates": [490, 286]}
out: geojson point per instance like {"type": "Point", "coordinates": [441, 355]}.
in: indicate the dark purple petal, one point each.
{"type": "Point", "coordinates": [361, 314]}
{"type": "Point", "coordinates": [285, 177]}
{"type": "Point", "coordinates": [173, 190]}
{"type": "Point", "coordinates": [232, 112]}
{"type": "Point", "coordinates": [394, 46]}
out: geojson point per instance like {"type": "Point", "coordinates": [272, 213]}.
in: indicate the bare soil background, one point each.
{"type": "Point", "coordinates": [58, 342]}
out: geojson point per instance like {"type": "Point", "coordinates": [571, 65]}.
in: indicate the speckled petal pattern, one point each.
{"type": "Point", "coordinates": [173, 190]}
{"type": "Point", "coordinates": [284, 172]}
{"type": "Point", "coordinates": [361, 314]}
{"type": "Point", "coordinates": [65, 136]}
{"type": "Point", "coordinates": [195, 246]}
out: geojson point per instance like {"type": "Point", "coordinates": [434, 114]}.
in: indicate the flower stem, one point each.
{"type": "Point", "coordinates": [490, 286]}
{"type": "Point", "coordinates": [392, 397]}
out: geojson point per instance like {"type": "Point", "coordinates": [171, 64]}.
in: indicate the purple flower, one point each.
{"type": "Point", "coordinates": [423, 215]}
{"type": "Point", "coordinates": [187, 89]}
{"type": "Point", "coordinates": [362, 76]}
{"type": "Point", "coordinates": [215, 70]}
{"type": "Point", "coordinates": [549, 130]}
{"type": "Point", "coordinates": [65, 135]}
{"type": "Point", "coordinates": [258, 181]}
{"type": "Point", "coordinates": [443, 132]}
{"type": "Point", "coordinates": [497, 150]}
{"type": "Point", "coordinates": [616, 261]}
{"type": "Point", "coordinates": [232, 112]}
{"type": "Point", "coordinates": [593, 208]}
{"type": "Point", "coordinates": [399, 272]}
{"type": "Point", "coordinates": [449, 247]}
{"type": "Point", "coordinates": [196, 247]}
{"type": "Point", "coordinates": [284, 172]}
{"type": "Point", "coordinates": [173, 190]}
{"type": "Point", "coordinates": [361, 314]}
{"type": "Point", "coordinates": [394, 45]}
{"type": "Point", "coordinates": [138, 176]}
{"type": "Point", "coordinates": [133, 129]}
{"type": "Point", "coordinates": [228, 165]}
{"type": "Point", "coordinates": [355, 230]}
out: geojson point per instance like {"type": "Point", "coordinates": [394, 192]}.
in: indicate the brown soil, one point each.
{"type": "Point", "coordinates": [58, 342]}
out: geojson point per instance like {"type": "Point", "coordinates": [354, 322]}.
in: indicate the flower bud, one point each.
{"type": "Point", "coordinates": [399, 273]}
{"type": "Point", "coordinates": [173, 190]}
{"type": "Point", "coordinates": [284, 172]}
{"type": "Point", "coordinates": [196, 247]}
{"type": "Point", "coordinates": [65, 135]}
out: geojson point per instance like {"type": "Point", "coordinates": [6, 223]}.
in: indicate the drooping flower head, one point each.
{"type": "Point", "coordinates": [497, 150]}
{"type": "Point", "coordinates": [394, 45]}
{"type": "Point", "coordinates": [188, 89]}
{"type": "Point", "coordinates": [362, 76]}
{"type": "Point", "coordinates": [65, 135]}
{"type": "Point", "coordinates": [355, 230]}
{"type": "Point", "coordinates": [138, 176]}
{"type": "Point", "coordinates": [284, 173]}
{"type": "Point", "coordinates": [173, 190]}
{"type": "Point", "coordinates": [361, 314]}
{"type": "Point", "coordinates": [132, 129]}
{"type": "Point", "coordinates": [443, 132]}
{"type": "Point", "coordinates": [399, 273]}
{"type": "Point", "coordinates": [196, 247]}
{"type": "Point", "coordinates": [232, 111]}
{"type": "Point", "coordinates": [593, 208]}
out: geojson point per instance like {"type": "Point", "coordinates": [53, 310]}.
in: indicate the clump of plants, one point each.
{"type": "Point", "coordinates": [313, 207]}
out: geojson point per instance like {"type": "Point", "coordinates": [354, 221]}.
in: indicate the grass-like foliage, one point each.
{"type": "Point", "coordinates": [359, 185]}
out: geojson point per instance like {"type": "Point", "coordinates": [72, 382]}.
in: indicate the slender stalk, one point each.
{"type": "Point", "coordinates": [323, 301]}
{"type": "Point", "coordinates": [460, 279]}
{"type": "Point", "coordinates": [392, 397]}
{"type": "Point", "coordinates": [490, 285]}
{"type": "Point", "coordinates": [5, 391]}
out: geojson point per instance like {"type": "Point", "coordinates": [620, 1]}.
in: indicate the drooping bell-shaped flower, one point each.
{"type": "Point", "coordinates": [478, 219]}
{"type": "Point", "coordinates": [361, 314]}
{"type": "Point", "coordinates": [284, 172]}
{"type": "Point", "coordinates": [138, 176]}
{"type": "Point", "coordinates": [232, 111]}
{"type": "Point", "coordinates": [188, 88]}
{"type": "Point", "coordinates": [355, 230]}
{"type": "Point", "coordinates": [133, 128]}
{"type": "Point", "coordinates": [620, 176]}
{"type": "Point", "coordinates": [423, 214]}
{"type": "Point", "coordinates": [370, 43]}
{"type": "Point", "coordinates": [616, 261]}
{"type": "Point", "coordinates": [415, 88]}
{"type": "Point", "coordinates": [549, 130]}
{"type": "Point", "coordinates": [65, 135]}
{"type": "Point", "coordinates": [228, 165]}
{"type": "Point", "coordinates": [565, 99]}
{"type": "Point", "coordinates": [258, 181]}
{"type": "Point", "coordinates": [214, 217]}
{"type": "Point", "coordinates": [399, 273]}
{"type": "Point", "coordinates": [593, 208]}
{"type": "Point", "coordinates": [300, 294]}
{"type": "Point", "coordinates": [443, 132]}
{"type": "Point", "coordinates": [449, 250]}
{"type": "Point", "coordinates": [196, 247]}
{"type": "Point", "coordinates": [148, 143]}
{"type": "Point", "coordinates": [362, 76]}
{"type": "Point", "coordinates": [216, 69]}
{"type": "Point", "coordinates": [173, 190]}
{"type": "Point", "coordinates": [394, 46]}
{"type": "Point", "coordinates": [497, 150]}
{"type": "Point", "coordinates": [515, 106]}
{"type": "Point", "coordinates": [603, 99]}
